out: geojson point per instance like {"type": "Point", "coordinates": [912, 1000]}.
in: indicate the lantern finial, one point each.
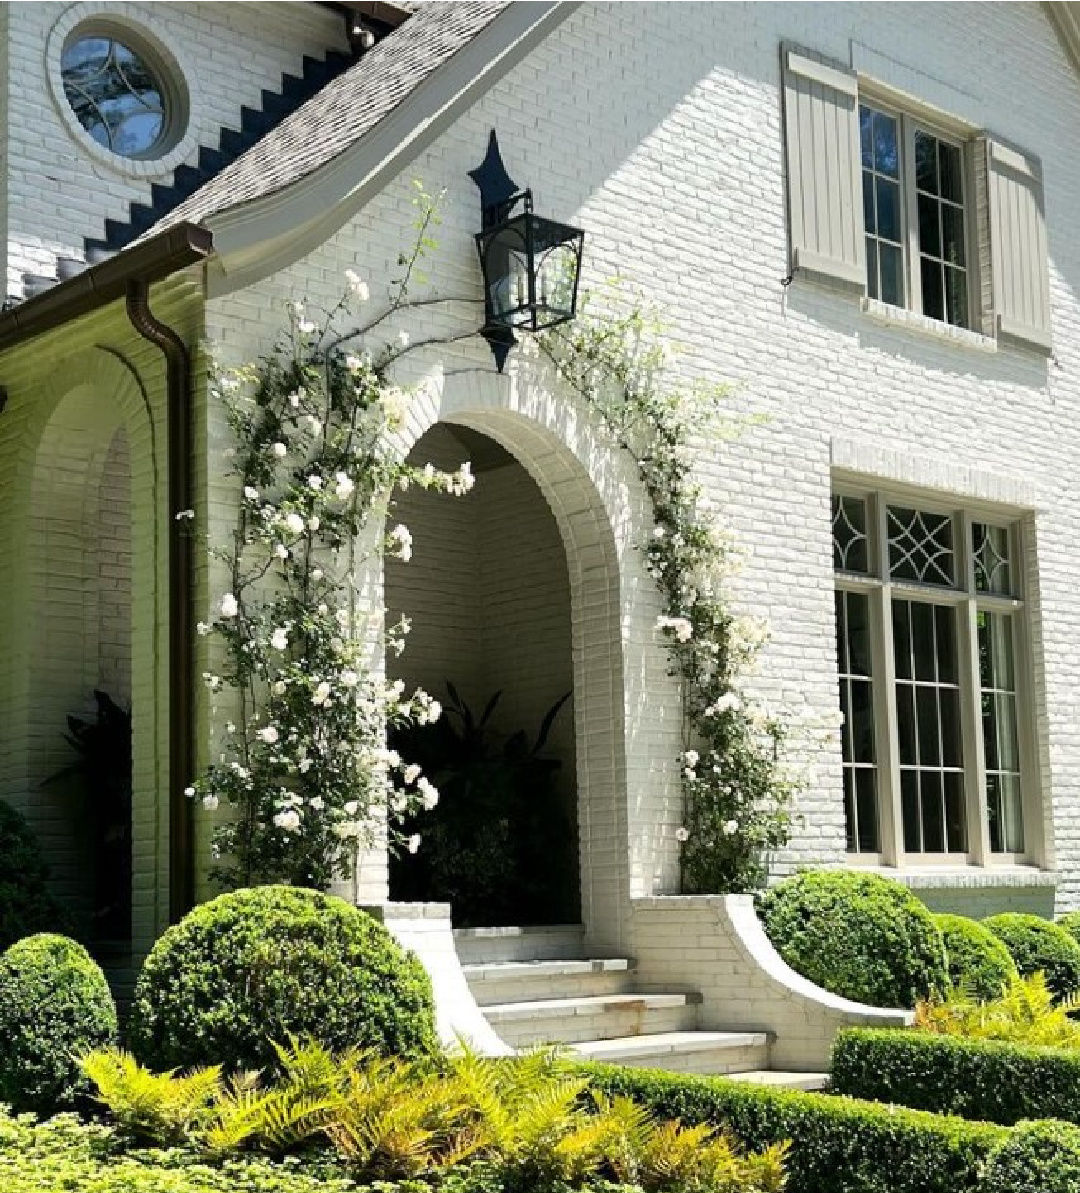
{"type": "Point", "coordinates": [497, 188]}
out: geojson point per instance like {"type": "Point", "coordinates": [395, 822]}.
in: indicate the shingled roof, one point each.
{"type": "Point", "coordinates": [343, 111]}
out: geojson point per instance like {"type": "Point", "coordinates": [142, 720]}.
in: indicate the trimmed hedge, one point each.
{"type": "Point", "coordinates": [988, 1080]}
{"type": "Point", "coordinates": [859, 935]}
{"type": "Point", "coordinates": [1035, 1158]}
{"type": "Point", "coordinates": [55, 1005]}
{"type": "Point", "coordinates": [1036, 944]}
{"type": "Point", "coordinates": [26, 906]}
{"type": "Point", "coordinates": [257, 966]}
{"type": "Point", "coordinates": [838, 1145]}
{"type": "Point", "coordinates": [977, 959]}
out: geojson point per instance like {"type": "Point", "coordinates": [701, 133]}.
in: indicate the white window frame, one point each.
{"type": "Point", "coordinates": [881, 589]}
{"type": "Point", "coordinates": [909, 122]}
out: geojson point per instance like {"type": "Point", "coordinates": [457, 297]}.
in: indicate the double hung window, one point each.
{"type": "Point", "coordinates": [930, 651]}
{"type": "Point", "coordinates": [894, 201]}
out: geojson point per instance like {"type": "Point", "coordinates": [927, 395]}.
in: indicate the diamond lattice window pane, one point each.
{"type": "Point", "coordinates": [990, 552]}
{"type": "Point", "coordinates": [921, 546]}
{"type": "Point", "coordinates": [851, 549]}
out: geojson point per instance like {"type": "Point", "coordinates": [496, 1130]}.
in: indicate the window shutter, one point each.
{"type": "Point", "coordinates": [1019, 263]}
{"type": "Point", "coordinates": [824, 168]}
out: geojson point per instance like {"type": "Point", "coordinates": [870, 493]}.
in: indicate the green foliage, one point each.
{"type": "Point", "coordinates": [978, 961]}
{"type": "Point", "coordinates": [161, 1107]}
{"type": "Point", "coordinates": [26, 906]}
{"type": "Point", "coordinates": [271, 963]}
{"type": "Point", "coordinates": [498, 846]}
{"type": "Point", "coordinates": [54, 1005]}
{"type": "Point", "coordinates": [1026, 1012]}
{"type": "Point", "coordinates": [1035, 1158]}
{"type": "Point", "coordinates": [1038, 945]}
{"type": "Point", "coordinates": [1071, 923]}
{"type": "Point", "coordinates": [981, 1079]}
{"type": "Point", "coordinates": [64, 1153]}
{"type": "Point", "coordinates": [837, 1145]}
{"type": "Point", "coordinates": [520, 1125]}
{"type": "Point", "coordinates": [735, 793]}
{"type": "Point", "coordinates": [861, 936]}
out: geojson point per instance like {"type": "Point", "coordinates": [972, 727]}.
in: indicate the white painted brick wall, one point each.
{"type": "Point", "coordinates": [657, 128]}
{"type": "Point", "coordinates": [58, 192]}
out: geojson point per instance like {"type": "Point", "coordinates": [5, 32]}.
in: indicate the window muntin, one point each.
{"type": "Point", "coordinates": [939, 740]}
{"type": "Point", "coordinates": [857, 704]}
{"type": "Point", "coordinates": [914, 209]}
{"type": "Point", "coordinates": [882, 204]}
{"type": "Point", "coordinates": [115, 93]}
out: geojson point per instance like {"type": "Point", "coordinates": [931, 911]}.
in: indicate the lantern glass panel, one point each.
{"type": "Point", "coordinates": [505, 260]}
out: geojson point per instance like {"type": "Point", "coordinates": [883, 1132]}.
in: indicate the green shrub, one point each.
{"type": "Point", "coordinates": [858, 935]}
{"type": "Point", "coordinates": [26, 906]}
{"type": "Point", "coordinates": [981, 1079]}
{"type": "Point", "coordinates": [838, 1145]}
{"type": "Point", "coordinates": [1035, 1158]}
{"type": "Point", "coordinates": [1071, 923]}
{"type": "Point", "coordinates": [261, 965]}
{"type": "Point", "coordinates": [978, 961]}
{"type": "Point", "coordinates": [54, 1005]}
{"type": "Point", "coordinates": [1037, 945]}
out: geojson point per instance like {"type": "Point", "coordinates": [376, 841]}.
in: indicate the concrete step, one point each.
{"type": "Point", "coordinates": [520, 981]}
{"type": "Point", "coordinates": [684, 1051]}
{"type": "Point", "coordinates": [589, 1018]}
{"type": "Point", "coordinates": [544, 942]}
{"type": "Point", "coordinates": [783, 1079]}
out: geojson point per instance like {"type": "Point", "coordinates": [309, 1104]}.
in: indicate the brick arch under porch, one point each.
{"type": "Point", "coordinates": [627, 713]}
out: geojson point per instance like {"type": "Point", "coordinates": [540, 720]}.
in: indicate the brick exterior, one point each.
{"type": "Point", "coordinates": [61, 188]}
{"type": "Point", "coordinates": [658, 129]}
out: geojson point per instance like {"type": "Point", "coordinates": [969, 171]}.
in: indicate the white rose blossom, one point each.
{"type": "Point", "coordinates": [294, 523]}
{"type": "Point", "coordinates": [429, 793]}
{"type": "Point", "coordinates": [280, 450]}
{"type": "Point", "coordinates": [268, 734]}
{"type": "Point", "coordinates": [229, 606]}
{"type": "Point", "coordinates": [413, 843]}
{"type": "Point", "coordinates": [279, 639]}
{"type": "Point", "coordinates": [288, 820]}
{"type": "Point", "coordinates": [682, 834]}
{"type": "Point", "coordinates": [210, 802]}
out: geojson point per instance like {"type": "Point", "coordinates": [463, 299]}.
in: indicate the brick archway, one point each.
{"type": "Point", "coordinates": [627, 707]}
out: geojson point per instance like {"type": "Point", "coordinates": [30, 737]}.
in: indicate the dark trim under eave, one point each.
{"type": "Point", "coordinates": [128, 276]}
{"type": "Point", "coordinates": [148, 261]}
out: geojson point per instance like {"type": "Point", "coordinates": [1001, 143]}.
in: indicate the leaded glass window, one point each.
{"type": "Point", "coordinates": [928, 622]}
{"type": "Point", "coordinates": [850, 541]}
{"type": "Point", "coordinates": [115, 93]}
{"type": "Point", "coordinates": [990, 555]}
{"type": "Point", "coordinates": [920, 546]}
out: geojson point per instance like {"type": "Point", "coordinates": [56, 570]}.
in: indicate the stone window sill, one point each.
{"type": "Point", "coordinates": [966, 877]}
{"type": "Point", "coordinates": [900, 317]}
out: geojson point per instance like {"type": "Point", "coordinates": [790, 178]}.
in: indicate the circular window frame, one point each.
{"type": "Point", "coordinates": [177, 140]}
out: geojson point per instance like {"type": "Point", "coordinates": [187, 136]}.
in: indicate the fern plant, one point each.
{"type": "Point", "coordinates": [158, 1107]}
{"type": "Point", "coordinates": [289, 1113]}
{"type": "Point", "coordinates": [1027, 1012]}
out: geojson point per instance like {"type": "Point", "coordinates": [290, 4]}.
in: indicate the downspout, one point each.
{"type": "Point", "coordinates": [182, 661]}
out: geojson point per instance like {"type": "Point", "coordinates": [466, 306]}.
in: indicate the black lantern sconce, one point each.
{"type": "Point", "coordinates": [531, 265]}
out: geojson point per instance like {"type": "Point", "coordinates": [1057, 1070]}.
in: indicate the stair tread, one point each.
{"type": "Point", "coordinates": [586, 1004]}
{"type": "Point", "coordinates": [665, 1042]}
{"type": "Point", "coordinates": [486, 971]}
{"type": "Point", "coordinates": [782, 1078]}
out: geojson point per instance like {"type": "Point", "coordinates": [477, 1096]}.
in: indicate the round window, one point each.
{"type": "Point", "coordinates": [117, 94]}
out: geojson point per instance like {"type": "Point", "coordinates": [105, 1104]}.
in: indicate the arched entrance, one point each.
{"type": "Point", "coordinates": [85, 536]}
{"type": "Point", "coordinates": [488, 596]}
{"type": "Point", "coordinates": [627, 717]}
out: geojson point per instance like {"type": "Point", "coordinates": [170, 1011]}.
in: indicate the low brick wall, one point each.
{"type": "Point", "coordinates": [715, 944]}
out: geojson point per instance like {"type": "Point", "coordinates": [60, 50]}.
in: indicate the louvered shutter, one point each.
{"type": "Point", "coordinates": [824, 170]}
{"type": "Point", "coordinates": [1019, 263]}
